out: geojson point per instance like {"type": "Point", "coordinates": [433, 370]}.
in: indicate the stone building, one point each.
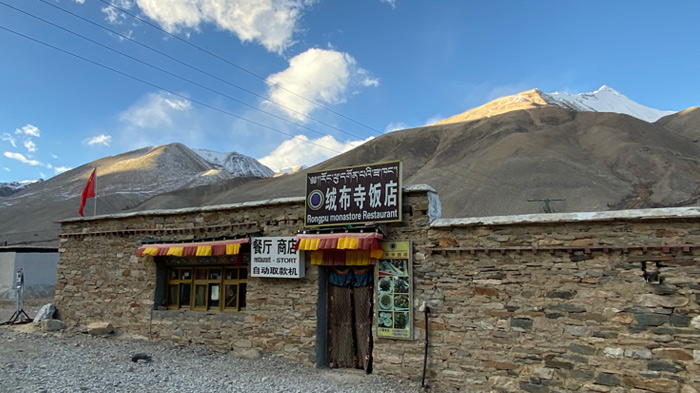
{"type": "Point", "coordinates": [601, 302]}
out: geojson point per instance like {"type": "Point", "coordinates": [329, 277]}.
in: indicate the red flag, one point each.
{"type": "Point", "coordinates": [88, 192]}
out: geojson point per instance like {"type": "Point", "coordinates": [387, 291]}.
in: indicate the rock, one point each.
{"type": "Point", "coordinates": [521, 324]}
{"type": "Point", "coordinates": [52, 325]}
{"type": "Point", "coordinates": [623, 318]}
{"type": "Point", "coordinates": [566, 307]}
{"type": "Point", "coordinates": [529, 387]}
{"type": "Point", "coordinates": [650, 300]}
{"type": "Point", "coordinates": [688, 389]}
{"type": "Point", "coordinates": [659, 365]}
{"type": "Point", "coordinates": [672, 353]}
{"type": "Point", "coordinates": [607, 379]}
{"type": "Point", "coordinates": [249, 354]}
{"type": "Point", "coordinates": [695, 322]}
{"type": "Point", "coordinates": [641, 353]}
{"type": "Point", "coordinates": [651, 319]}
{"type": "Point", "coordinates": [543, 373]}
{"type": "Point", "coordinates": [45, 312]}
{"type": "Point", "coordinates": [582, 349]}
{"type": "Point", "coordinates": [576, 330]}
{"type": "Point", "coordinates": [100, 328]}
{"type": "Point", "coordinates": [141, 358]}
{"type": "Point", "coordinates": [614, 353]}
{"type": "Point", "coordinates": [503, 383]}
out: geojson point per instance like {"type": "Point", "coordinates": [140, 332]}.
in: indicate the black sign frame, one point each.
{"type": "Point", "coordinates": [358, 194]}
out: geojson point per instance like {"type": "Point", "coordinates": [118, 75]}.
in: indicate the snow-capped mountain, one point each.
{"type": "Point", "coordinates": [7, 189]}
{"type": "Point", "coordinates": [235, 163]}
{"type": "Point", "coordinates": [605, 99]}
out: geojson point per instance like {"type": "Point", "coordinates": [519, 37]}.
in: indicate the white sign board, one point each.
{"type": "Point", "coordinates": [275, 257]}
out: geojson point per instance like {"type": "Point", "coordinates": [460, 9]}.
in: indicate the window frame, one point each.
{"type": "Point", "coordinates": [208, 272]}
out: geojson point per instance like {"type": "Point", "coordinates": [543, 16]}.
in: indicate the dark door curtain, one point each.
{"type": "Point", "coordinates": [351, 326]}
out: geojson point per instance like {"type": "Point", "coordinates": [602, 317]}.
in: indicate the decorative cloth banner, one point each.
{"type": "Point", "coordinates": [200, 249]}
{"type": "Point", "coordinates": [341, 249]}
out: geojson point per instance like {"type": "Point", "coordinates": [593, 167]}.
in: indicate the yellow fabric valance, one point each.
{"type": "Point", "coordinates": [341, 249]}
{"type": "Point", "coordinates": [200, 249]}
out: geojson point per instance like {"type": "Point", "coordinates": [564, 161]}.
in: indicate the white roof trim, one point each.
{"type": "Point", "coordinates": [636, 214]}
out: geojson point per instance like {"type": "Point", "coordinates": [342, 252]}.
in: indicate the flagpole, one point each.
{"type": "Point", "coordinates": [94, 212]}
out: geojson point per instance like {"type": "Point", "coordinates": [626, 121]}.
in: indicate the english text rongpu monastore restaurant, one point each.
{"type": "Point", "coordinates": [348, 275]}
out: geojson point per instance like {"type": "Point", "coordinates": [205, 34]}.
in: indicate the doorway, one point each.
{"type": "Point", "coordinates": [350, 312]}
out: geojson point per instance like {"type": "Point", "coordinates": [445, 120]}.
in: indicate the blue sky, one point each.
{"type": "Point", "coordinates": [293, 82]}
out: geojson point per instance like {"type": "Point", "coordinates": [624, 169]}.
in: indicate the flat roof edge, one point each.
{"type": "Point", "coordinates": [162, 212]}
{"type": "Point", "coordinates": [239, 205]}
{"type": "Point", "coordinates": [633, 214]}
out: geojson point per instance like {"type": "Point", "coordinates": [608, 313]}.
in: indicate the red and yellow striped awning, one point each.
{"type": "Point", "coordinates": [200, 249]}
{"type": "Point", "coordinates": [335, 249]}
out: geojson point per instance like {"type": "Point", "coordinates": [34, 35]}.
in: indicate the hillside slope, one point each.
{"type": "Point", "coordinates": [510, 163]}
{"type": "Point", "coordinates": [123, 181]}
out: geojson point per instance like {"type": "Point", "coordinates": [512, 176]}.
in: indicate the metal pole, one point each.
{"type": "Point", "coordinates": [94, 185]}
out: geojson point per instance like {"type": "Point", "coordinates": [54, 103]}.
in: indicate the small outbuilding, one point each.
{"type": "Point", "coordinates": [38, 266]}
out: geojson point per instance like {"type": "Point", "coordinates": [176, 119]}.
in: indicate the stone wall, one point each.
{"type": "Point", "coordinates": [562, 306]}
{"type": "Point", "coordinates": [101, 279]}
{"type": "Point", "coordinates": [547, 303]}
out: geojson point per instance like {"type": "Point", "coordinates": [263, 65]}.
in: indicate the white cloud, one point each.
{"type": "Point", "coordinates": [271, 23]}
{"type": "Point", "coordinates": [154, 110]}
{"type": "Point", "coordinates": [303, 151]}
{"type": "Point", "coordinates": [61, 169]}
{"type": "Point", "coordinates": [8, 138]}
{"type": "Point", "coordinates": [101, 139]}
{"type": "Point", "coordinates": [6, 168]}
{"type": "Point", "coordinates": [30, 130]}
{"type": "Point", "coordinates": [394, 126]}
{"type": "Point", "coordinates": [321, 75]}
{"type": "Point", "coordinates": [55, 157]}
{"type": "Point", "coordinates": [113, 15]}
{"type": "Point", "coordinates": [21, 158]}
{"type": "Point", "coordinates": [434, 119]}
{"type": "Point", "coordinates": [30, 145]}
{"type": "Point", "coordinates": [80, 1]}
{"type": "Point", "coordinates": [392, 3]}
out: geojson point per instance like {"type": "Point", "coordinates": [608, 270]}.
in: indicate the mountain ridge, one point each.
{"type": "Point", "coordinates": [605, 99]}
{"type": "Point", "coordinates": [497, 164]}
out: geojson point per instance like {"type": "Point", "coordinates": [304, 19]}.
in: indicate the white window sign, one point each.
{"type": "Point", "coordinates": [275, 257]}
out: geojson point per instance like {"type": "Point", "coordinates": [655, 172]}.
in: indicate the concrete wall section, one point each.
{"type": "Point", "coordinates": [39, 272]}
{"type": "Point", "coordinates": [7, 274]}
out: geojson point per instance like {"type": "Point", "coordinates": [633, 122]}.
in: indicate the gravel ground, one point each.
{"type": "Point", "coordinates": [33, 361]}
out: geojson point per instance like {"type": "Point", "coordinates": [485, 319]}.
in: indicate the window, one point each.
{"type": "Point", "coordinates": [215, 283]}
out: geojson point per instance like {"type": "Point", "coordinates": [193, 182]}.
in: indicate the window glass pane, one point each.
{"type": "Point", "coordinates": [200, 273]}
{"type": "Point", "coordinates": [200, 296]}
{"type": "Point", "coordinates": [172, 295]}
{"type": "Point", "coordinates": [214, 295]}
{"type": "Point", "coordinates": [230, 299]}
{"type": "Point", "coordinates": [231, 274]}
{"type": "Point", "coordinates": [214, 274]}
{"type": "Point", "coordinates": [243, 273]}
{"type": "Point", "coordinates": [185, 295]}
{"type": "Point", "coordinates": [185, 274]}
{"type": "Point", "coordinates": [241, 301]}
{"type": "Point", "coordinates": [173, 274]}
